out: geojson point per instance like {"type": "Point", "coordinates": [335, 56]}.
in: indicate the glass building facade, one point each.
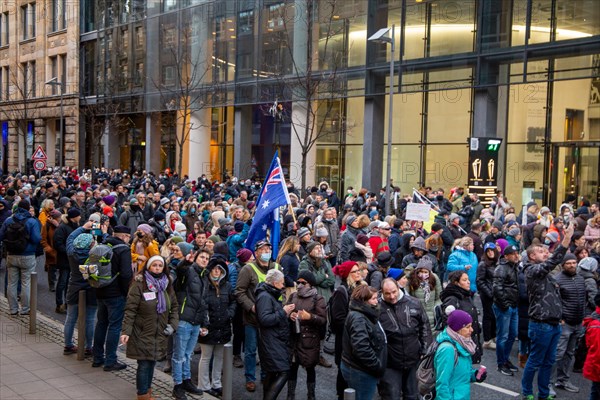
{"type": "Point", "coordinates": [196, 81]}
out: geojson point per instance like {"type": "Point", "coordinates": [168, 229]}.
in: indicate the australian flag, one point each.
{"type": "Point", "coordinates": [272, 195]}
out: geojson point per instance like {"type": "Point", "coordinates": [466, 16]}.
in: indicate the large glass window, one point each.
{"type": "Point", "coordinates": [406, 166]}
{"type": "Point", "coordinates": [406, 117]}
{"type": "Point", "coordinates": [446, 166]}
{"type": "Point", "coordinates": [452, 27]}
{"type": "Point", "coordinates": [524, 173]}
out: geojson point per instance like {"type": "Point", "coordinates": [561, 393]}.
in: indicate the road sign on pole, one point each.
{"type": "Point", "coordinates": [39, 165]}
{"type": "Point", "coordinates": [39, 154]}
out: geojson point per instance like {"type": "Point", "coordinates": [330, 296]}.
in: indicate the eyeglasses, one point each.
{"type": "Point", "coordinates": [354, 271]}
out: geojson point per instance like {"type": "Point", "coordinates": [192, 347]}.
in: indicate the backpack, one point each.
{"type": "Point", "coordinates": [426, 375]}
{"type": "Point", "coordinates": [16, 237]}
{"type": "Point", "coordinates": [97, 269]}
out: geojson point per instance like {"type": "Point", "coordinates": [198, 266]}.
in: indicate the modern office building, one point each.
{"type": "Point", "coordinates": [209, 72]}
{"type": "Point", "coordinates": [39, 82]}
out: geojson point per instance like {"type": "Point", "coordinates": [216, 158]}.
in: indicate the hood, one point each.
{"type": "Point", "coordinates": [454, 291]}
{"type": "Point", "coordinates": [216, 216]}
{"type": "Point", "coordinates": [537, 231]}
{"type": "Point", "coordinates": [265, 287]}
{"type": "Point", "coordinates": [218, 263]}
{"type": "Point", "coordinates": [419, 244]}
{"type": "Point", "coordinates": [366, 309]}
{"type": "Point", "coordinates": [21, 214]}
{"type": "Point", "coordinates": [589, 320]}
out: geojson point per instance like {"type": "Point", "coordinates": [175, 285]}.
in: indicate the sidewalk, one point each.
{"type": "Point", "coordinates": [33, 367]}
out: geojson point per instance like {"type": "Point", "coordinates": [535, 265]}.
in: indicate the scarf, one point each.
{"type": "Point", "coordinates": [426, 290]}
{"type": "Point", "coordinates": [467, 343]}
{"type": "Point", "coordinates": [158, 286]}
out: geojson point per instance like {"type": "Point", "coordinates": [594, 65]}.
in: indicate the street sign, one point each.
{"type": "Point", "coordinates": [39, 154]}
{"type": "Point", "coordinates": [39, 165]}
{"type": "Point", "coordinates": [483, 168]}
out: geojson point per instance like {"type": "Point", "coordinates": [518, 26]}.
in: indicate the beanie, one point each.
{"type": "Point", "coordinates": [24, 204]}
{"type": "Point", "coordinates": [552, 236]}
{"type": "Point", "coordinates": [350, 220]}
{"type": "Point", "coordinates": [72, 213]}
{"type": "Point", "coordinates": [569, 257]}
{"type": "Point", "coordinates": [176, 239]}
{"type": "Point", "coordinates": [145, 228]}
{"type": "Point", "coordinates": [221, 248]}
{"type": "Point", "coordinates": [180, 228]}
{"type": "Point", "coordinates": [588, 264]}
{"type": "Point", "coordinates": [395, 273]}
{"type": "Point", "coordinates": [343, 270]}
{"type": "Point", "coordinates": [108, 200]}
{"type": "Point", "coordinates": [425, 263]}
{"type": "Point", "coordinates": [243, 255]}
{"type": "Point", "coordinates": [83, 241]}
{"type": "Point", "coordinates": [158, 216]}
{"type": "Point", "coordinates": [155, 258]}
{"type": "Point", "coordinates": [497, 225]}
{"type": "Point", "coordinates": [308, 277]}
{"type": "Point", "coordinates": [458, 319]}
{"type": "Point", "coordinates": [311, 246]}
{"type": "Point", "coordinates": [185, 248]}
{"type": "Point", "coordinates": [362, 239]}
{"type": "Point", "coordinates": [514, 232]}
{"type": "Point", "coordinates": [321, 232]}
{"type": "Point", "coordinates": [238, 226]}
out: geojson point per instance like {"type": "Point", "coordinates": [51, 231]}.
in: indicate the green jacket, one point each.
{"type": "Point", "coordinates": [323, 275]}
{"type": "Point", "coordinates": [144, 325]}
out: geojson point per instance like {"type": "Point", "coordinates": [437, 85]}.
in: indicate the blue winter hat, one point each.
{"type": "Point", "coordinates": [83, 241]}
{"type": "Point", "coordinates": [373, 213]}
{"type": "Point", "coordinates": [395, 273]}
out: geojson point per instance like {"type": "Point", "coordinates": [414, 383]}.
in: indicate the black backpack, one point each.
{"type": "Point", "coordinates": [16, 237]}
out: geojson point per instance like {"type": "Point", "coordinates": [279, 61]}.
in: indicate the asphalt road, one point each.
{"type": "Point", "coordinates": [496, 387]}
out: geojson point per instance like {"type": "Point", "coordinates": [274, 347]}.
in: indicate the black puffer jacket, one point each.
{"type": "Point", "coordinates": [221, 305]}
{"type": "Point", "coordinates": [121, 264]}
{"type": "Point", "coordinates": [364, 343]}
{"type": "Point", "coordinates": [506, 284]}
{"type": "Point", "coordinates": [545, 304]}
{"type": "Point", "coordinates": [485, 278]}
{"type": "Point", "coordinates": [60, 242]}
{"type": "Point", "coordinates": [407, 329]}
{"type": "Point", "coordinates": [462, 299]}
{"type": "Point", "coordinates": [191, 291]}
{"type": "Point", "coordinates": [274, 331]}
{"type": "Point", "coordinates": [574, 299]}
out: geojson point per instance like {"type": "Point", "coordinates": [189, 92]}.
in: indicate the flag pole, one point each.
{"type": "Point", "coordinates": [434, 206]}
{"type": "Point", "coordinates": [291, 211]}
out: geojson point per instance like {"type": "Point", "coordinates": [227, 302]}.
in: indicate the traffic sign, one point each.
{"type": "Point", "coordinates": [39, 165]}
{"type": "Point", "coordinates": [39, 154]}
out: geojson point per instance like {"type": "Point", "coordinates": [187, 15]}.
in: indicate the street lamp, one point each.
{"type": "Point", "coordinates": [386, 35]}
{"type": "Point", "coordinates": [54, 82]}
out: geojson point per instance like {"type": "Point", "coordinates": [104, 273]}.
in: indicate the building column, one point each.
{"type": "Point", "coordinates": [242, 142]}
{"type": "Point", "coordinates": [112, 149]}
{"type": "Point", "coordinates": [299, 110]}
{"type": "Point", "coordinates": [199, 143]}
{"type": "Point", "coordinates": [485, 112]}
{"type": "Point", "coordinates": [372, 176]}
{"type": "Point", "coordinates": [153, 139]}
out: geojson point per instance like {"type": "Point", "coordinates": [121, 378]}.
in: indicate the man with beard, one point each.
{"type": "Point", "coordinates": [132, 216]}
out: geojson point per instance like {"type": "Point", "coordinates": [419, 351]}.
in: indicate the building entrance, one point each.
{"type": "Point", "coordinates": [574, 171]}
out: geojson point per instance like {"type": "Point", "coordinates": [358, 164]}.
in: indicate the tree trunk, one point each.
{"type": "Point", "coordinates": [303, 168]}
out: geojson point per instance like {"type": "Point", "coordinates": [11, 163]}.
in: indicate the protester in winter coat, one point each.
{"type": "Point", "coordinates": [316, 263]}
{"type": "Point", "coordinates": [309, 317]}
{"type": "Point", "coordinates": [48, 230]}
{"type": "Point", "coordinates": [523, 335]}
{"type": "Point", "coordinates": [150, 318]}
{"type": "Point", "coordinates": [143, 246]}
{"type": "Point", "coordinates": [452, 361]}
{"type": "Point", "coordinates": [69, 223]}
{"type": "Point", "coordinates": [364, 354]}
{"type": "Point", "coordinates": [463, 258]}
{"type": "Point", "coordinates": [458, 295]}
{"type": "Point", "coordinates": [274, 333]}
{"type": "Point", "coordinates": [221, 310]}
{"type": "Point", "coordinates": [485, 281]}
{"type": "Point", "coordinates": [425, 285]}
{"type": "Point", "coordinates": [592, 229]}
{"type": "Point", "coordinates": [591, 368]}
{"type": "Point", "coordinates": [418, 250]}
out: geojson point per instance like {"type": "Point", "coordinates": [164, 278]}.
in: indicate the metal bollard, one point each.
{"type": "Point", "coordinates": [349, 394]}
{"type": "Point", "coordinates": [33, 300]}
{"type": "Point", "coordinates": [81, 326]}
{"type": "Point", "coordinates": [228, 372]}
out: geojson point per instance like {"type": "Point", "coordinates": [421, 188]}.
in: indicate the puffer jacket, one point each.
{"type": "Point", "coordinates": [506, 284]}
{"type": "Point", "coordinates": [523, 307]}
{"type": "Point", "coordinates": [453, 380]}
{"type": "Point", "coordinates": [274, 330]}
{"type": "Point", "coordinates": [221, 307]}
{"type": "Point", "coordinates": [462, 299]}
{"type": "Point", "coordinates": [591, 368]}
{"type": "Point", "coordinates": [347, 243]}
{"type": "Point", "coordinates": [144, 325]}
{"type": "Point", "coordinates": [485, 278]}
{"type": "Point", "coordinates": [76, 281]}
{"type": "Point", "coordinates": [33, 228]}
{"type": "Point", "coordinates": [334, 236]}
{"type": "Point", "coordinates": [61, 234]}
{"type": "Point", "coordinates": [457, 261]}
{"type": "Point", "coordinates": [324, 277]}
{"type": "Point", "coordinates": [307, 343]}
{"type": "Point", "coordinates": [407, 329]}
{"type": "Point", "coordinates": [545, 304]}
{"type": "Point", "coordinates": [364, 344]}
{"type": "Point", "coordinates": [573, 296]}
{"type": "Point", "coordinates": [428, 304]}
{"type": "Point", "coordinates": [191, 294]}
{"type": "Point", "coordinates": [591, 289]}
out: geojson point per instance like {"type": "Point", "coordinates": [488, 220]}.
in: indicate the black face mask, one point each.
{"type": "Point", "coordinates": [140, 235]}
{"type": "Point", "coordinates": [157, 276]}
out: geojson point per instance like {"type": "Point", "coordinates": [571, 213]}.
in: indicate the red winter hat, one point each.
{"type": "Point", "coordinates": [343, 270]}
{"type": "Point", "coordinates": [108, 211]}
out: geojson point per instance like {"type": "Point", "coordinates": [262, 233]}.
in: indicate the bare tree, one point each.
{"type": "Point", "coordinates": [17, 108]}
{"type": "Point", "coordinates": [314, 83]}
{"type": "Point", "coordinates": [183, 86]}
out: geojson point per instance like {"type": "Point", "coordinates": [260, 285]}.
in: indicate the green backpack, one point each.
{"type": "Point", "coordinates": [97, 269]}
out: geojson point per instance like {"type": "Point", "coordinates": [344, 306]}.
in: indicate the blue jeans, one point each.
{"type": "Point", "coordinates": [184, 342]}
{"type": "Point", "coordinates": [108, 329]}
{"type": "Point", "coordinates": [363, 383]}
{"type": "Point", "coordinates": [144, 376]}
{"type": "Point", "coordinates": [542, 353]}
{"type": "Point", "coordinates": [71, 322]}
{"type": "Point", "coordinates": [61, 286]}
{"type": "Point", "coordinates": [19, 269]}
{"type": "Point", "coordinates": [507, 325]}
{"type": "Point", "coordinates": [250, 340]}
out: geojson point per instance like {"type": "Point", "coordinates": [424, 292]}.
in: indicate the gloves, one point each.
{"type": "Point", "coordinates": [169, 330]}
{"type": "Point", "coordinates": [482, 378]}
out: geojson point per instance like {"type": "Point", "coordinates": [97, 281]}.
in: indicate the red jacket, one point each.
{"type": "Point", "coordinates": [591, 368]}
{"type": "Point", "coordinates": [378, 244]}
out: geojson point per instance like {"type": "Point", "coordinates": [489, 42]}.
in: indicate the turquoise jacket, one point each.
{"type": "Point", "coordinates": [457, 261]}
{"type": "Point", "coordinates": [453, 380]}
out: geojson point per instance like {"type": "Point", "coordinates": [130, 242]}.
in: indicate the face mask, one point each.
{"type": "Point", "coordinates": [265, 257]}
{"type": "Point", "coordinates": [423, 276]}
{"type": "Point", "coordinates": [140, 234]}
{"type": "Point", "coordinates": [192, 210]}
{"type": "Point", "coordinates": [547, 242]}
{"type": "Point", "coordinates": [215, 278]}
{"type": "Point", "coordinates": [329, 219]}
{"type": "Point", "coordinates": [156, 276]}
{"type": "Point", "coordinates": [161, 223]}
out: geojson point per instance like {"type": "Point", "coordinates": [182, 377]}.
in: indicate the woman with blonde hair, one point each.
{"type": "Point", "coordinates": [143, 247]}
{"type": "Point", "coordinates": [290, 261]}
{"type": "Point", "coordinates": [45, 210]}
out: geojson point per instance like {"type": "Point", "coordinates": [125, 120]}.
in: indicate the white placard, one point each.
{"type": "Point", "coordinates": [417, 212]}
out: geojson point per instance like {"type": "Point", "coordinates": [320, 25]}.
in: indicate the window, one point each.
{"type": "Point", "coordinates": [139, 73]}
{"type": "Point", "coordinates": [4, 29]}
{"type": "Point", "coordinates": [5, 86]}
{"type": "Point", "coordinates": [28, 86]}
{"type": "Point", "coordinates": [63, 71]}
{"type": "Point", "coordinates": [59, 15]}
{"type": "Point", "coordinates": [28, 21]}
{"type": "Point", "coordinates": [54, 74]}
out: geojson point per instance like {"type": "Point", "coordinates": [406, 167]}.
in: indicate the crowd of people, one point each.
{"type": "Point", "coordinates": [387, 290]}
